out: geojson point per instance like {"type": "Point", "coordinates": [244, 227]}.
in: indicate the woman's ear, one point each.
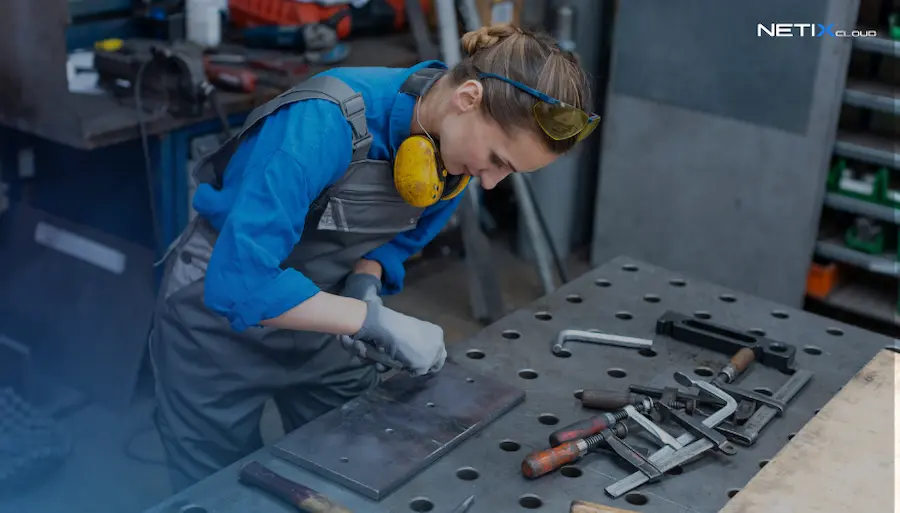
{"type": "Point", "coordinates": [467, 97]}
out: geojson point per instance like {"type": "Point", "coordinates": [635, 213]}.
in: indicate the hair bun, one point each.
{"type": "Point", "coordinates": [486, 37]}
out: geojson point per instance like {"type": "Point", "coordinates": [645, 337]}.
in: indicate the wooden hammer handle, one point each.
{"type": "Point", "coordinates": [590, 507]}
{"type": "Point", "coordinates": [306, 499]}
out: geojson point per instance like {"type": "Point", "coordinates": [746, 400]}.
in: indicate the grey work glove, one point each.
{"type": "Point", "coordinates": [365, 287]}
{"type": "Point", "coordinates": [417, 344]}
{"type": "Point", "coordinates": [362, 286]}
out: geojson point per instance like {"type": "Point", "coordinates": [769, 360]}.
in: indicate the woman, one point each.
{"type": "Point", "coordinates": [312, 214]}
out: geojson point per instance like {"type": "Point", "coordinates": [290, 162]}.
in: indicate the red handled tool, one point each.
{"type": "Point", "coordinates": [305, 499]}
{"type": "Point", "coordinates": [587, 427]}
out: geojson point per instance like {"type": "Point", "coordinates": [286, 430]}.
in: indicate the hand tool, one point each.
{"type": "Point", "coordinates": [306, 499]}
{"type": "Point", "coordinates": [720, 338]}
{"type": "Point", "coordinates": [590, 337]}
{"type": "Point", "coordinates": [278, 64]}
{"type": "Point", "coordinates": [657, 393]}
{"type": "Point", "coordinates": [614, 400]}
{"type": "Point", "coordinates": [539, 463]}
{"type": "Point", "coordinates": [659, 433]}
{"type": "Point", "coordinates": [590, 507]}
{"type": "Point", "coordinates": [466, 505]}
{"type": "Point", "coordinates": [736, 366]}
{"type": "Point", "coordinates": [666, 458]}
{"type": "Point", "coordinates": [587, 427]}
{"type": "Point", "coordinates": [230, 78]}
{"type": "Point", "coordinates": [750, 431]}
{"type": "Point", "coordinates": [373, 353]}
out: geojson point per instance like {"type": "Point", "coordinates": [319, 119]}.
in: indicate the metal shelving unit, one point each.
{"type": "Point", "coordinates": [875, 298]}
{"type": "Point", "coordinates": [863, 208]}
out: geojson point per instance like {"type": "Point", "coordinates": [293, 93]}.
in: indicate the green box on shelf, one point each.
{"type": "Point", "coordinates": [841, 180]}
{"type": "Point", "coordinates": [873, 246]}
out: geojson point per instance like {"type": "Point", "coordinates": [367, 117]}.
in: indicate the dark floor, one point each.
{"type": "Point", "coordinates": [116, 463]}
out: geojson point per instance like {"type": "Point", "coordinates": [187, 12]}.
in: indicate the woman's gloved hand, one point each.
{"type": "Point", "coordinates": [417, 344]}
{"type": "Point", "coordinates": [362, 286]}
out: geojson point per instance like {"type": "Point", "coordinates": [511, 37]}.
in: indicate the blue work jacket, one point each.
{"type": "Point", "coordinates": [273, 178]}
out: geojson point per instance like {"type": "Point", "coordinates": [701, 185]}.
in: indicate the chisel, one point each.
{"type": "Point", "coordinates": [305, 499]}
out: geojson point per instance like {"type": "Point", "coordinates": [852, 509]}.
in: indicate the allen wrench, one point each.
{"type": "Point", "coordinates": [590, 337]}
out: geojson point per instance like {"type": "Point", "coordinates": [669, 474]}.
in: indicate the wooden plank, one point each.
{"type": "Point", "coordinates": [842, 459]}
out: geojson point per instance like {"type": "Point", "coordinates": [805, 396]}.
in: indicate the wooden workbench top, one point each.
{"type": "Point", "coordinates": [843, 459]}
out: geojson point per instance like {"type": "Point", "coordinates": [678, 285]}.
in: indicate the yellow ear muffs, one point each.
{"type": "Point", "coordinates": [419, 176]}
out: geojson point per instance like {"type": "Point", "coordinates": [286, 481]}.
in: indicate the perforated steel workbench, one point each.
{"type": "Point", "coordinates": [621, 297]}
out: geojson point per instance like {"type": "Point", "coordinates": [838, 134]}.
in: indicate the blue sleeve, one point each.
{"type": "Point", "coordinates": [392, 255]}
{"type": "Point", "coordinates": [244, 280]}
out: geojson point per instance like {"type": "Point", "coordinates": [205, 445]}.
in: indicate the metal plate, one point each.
{"type": "Point", "coordinates": [380, 440]}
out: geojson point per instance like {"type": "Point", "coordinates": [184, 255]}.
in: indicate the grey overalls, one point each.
{"type": "Point", "coordinates": [212, 382]}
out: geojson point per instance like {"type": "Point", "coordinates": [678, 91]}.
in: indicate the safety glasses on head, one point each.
{"type": "Point", "coordinates": [557, 119]}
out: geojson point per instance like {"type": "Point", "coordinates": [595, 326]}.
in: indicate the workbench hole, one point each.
{"type": "Point", "coordinates": [421, 505]}
{"type": "Point", "coordinates": [562, 353]}
{"type": "Point", "coordinates": [193, 508]}
{"type": "Point", "coordinates": [637, 499]}
{"type": "Point", "coordinates": [511, 334]}
{"type": "Point", "coordinates": [652, 298]}
{"type": "Point", "coordinates": [813, 350]}
{"type": "Point", "coordinates": [675, 471]}
{"type": "Point", "coordinates": [543, 316]}
{"type": "Point", "coordinates": [574, 298]}
{"type": "Point", "coordinates": [475, 354]}
{"type": "Point", "coordinates": [345, 459]}
{"type": "Point", "coordinates": [701, 314]}
{"type": "Point", "coordinates": [728, 298]}
{"type": "Point", "coordinates": [780, 314]}
{"type": "Point", "coordinates": [757, 332]}
{"type": "Point", "coordinates": [569, 471]}
{"type": "Point", "coordinates": [548, 419]}
{"type": "Point", "coordinates": [429, 404]}
{"type": "Point", "coordinates": [579, 394]}
{"type": "Point", "coordinates": [703, 372]}
{"type": "Point", "coordinates": [528, 374]}
{"type": "Point", "coordinates": [617, 373]}
{"type": "Point", "coordinates": [530, 501]}
{"type": "Point", "coordinates": [625, 316]}
{"type": "Point", "coordinates": [763, 463]}
{"type": "Point", "coordinates": [647, 352]}
{"type": "Point", "coordinates": [677, 282]}
{"type": "Point", "coordinates": [763, 390]}
{"type": "Point", "coordinates": [630, 268]}
{"type": "Point", "coordinates": [389, 431]}
{"type": "Point", "coordinates": [467, 474]}
{"type": "Point", "coordinates": [510, 446]}
{"type": "Point", "coordinates": [733, 492]}
{"type": "Point", "coordinates": [837, 332]}
{"type": "Point", "coordinates": [603, 283]}
{"type": "Point", "coordinates": [778, 347]}
{"type": "Point", "coordinates": [470, 380]}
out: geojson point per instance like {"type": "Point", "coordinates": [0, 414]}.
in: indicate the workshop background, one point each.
{"type": "Point", "coordinates": [767, 165]}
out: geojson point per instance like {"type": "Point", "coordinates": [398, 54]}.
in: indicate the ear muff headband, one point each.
{"type": "Point", "coordinates": [419, 174]}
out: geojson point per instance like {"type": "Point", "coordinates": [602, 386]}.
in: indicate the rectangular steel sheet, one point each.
{"type": "Point", "coordinates": [382, 439]}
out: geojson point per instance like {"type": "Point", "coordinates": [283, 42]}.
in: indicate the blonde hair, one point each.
{"type": "Point", "coordinates": [531, 58]}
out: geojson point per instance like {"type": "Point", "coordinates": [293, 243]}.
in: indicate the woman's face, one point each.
{"type": "Point", "coordinates": [473, 144]}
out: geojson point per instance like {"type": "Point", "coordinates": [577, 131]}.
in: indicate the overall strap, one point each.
{"type": "Point", "coordinates": [421, 81]}
{"type": "Point", "coordinates": [322, 88]}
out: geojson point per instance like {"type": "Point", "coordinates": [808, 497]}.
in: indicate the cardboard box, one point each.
{"type": "Point", "coordinates": [500, 11]}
